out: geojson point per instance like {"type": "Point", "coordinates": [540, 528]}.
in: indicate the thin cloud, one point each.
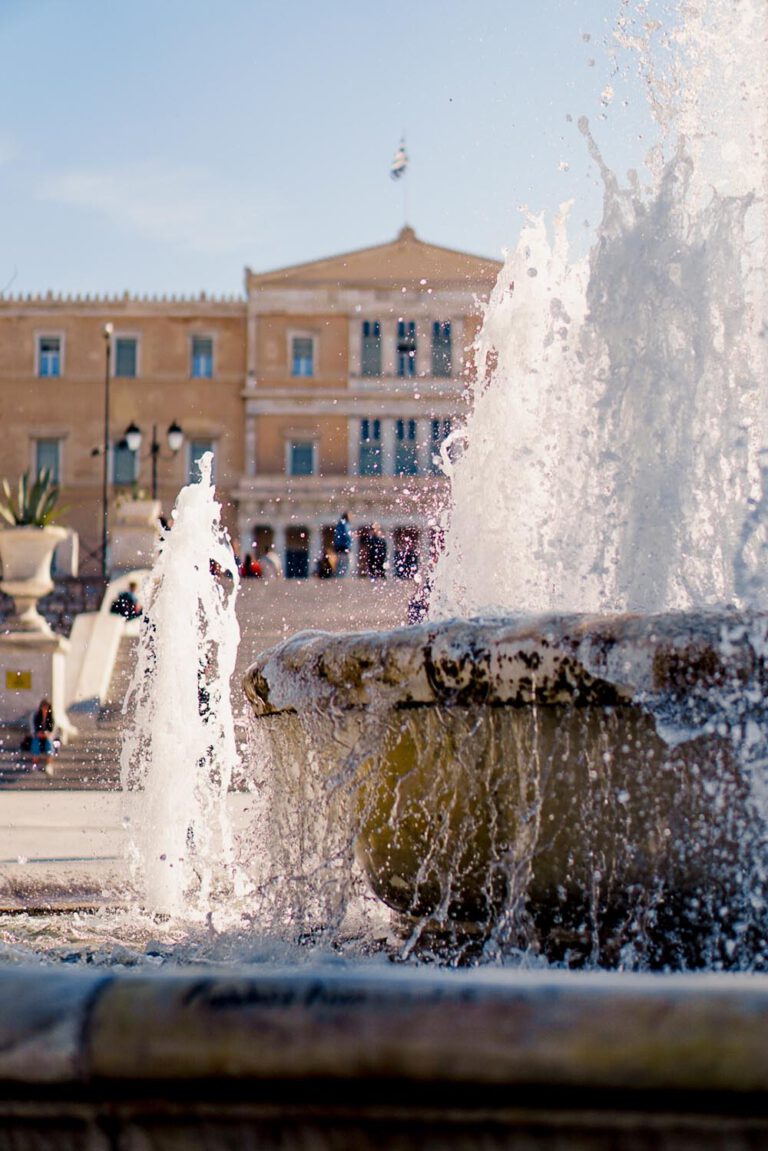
{"type": "Point", "coordinates": [7, 150]}
{"type": "Point", "coordinates": [183, 206]}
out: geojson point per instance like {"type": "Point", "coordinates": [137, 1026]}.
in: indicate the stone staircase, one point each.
{"type": "Point", "coordinates": [91, 760]}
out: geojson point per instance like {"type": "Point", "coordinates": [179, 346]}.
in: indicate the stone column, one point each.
{"type": "Point", "coordinates": [355, 339]}
{"type": "Point", "coordinates": [251, 444]}
{"type": "Point", "coordinates": [457, 346]}
{"type": "Point", "coordinates": [423, 446]}
{"type": "Point", "coordinates": [279, 541]}
{"type": "Point", "coordinates": [388, 447]}
{"type": "Point", "coordinates": [388, 345]}
{"type": "Point", "coordinates": [424, 346]}
{"type": "Point", "coordinates": [252, 353]}
{"type": "Point", "coordinates": [313, 545]}
{"type": "Point", "coordinates": [353, 447]}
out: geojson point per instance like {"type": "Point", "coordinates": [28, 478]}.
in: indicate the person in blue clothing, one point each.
{"type": "Point", "coordinates": [342, 544]}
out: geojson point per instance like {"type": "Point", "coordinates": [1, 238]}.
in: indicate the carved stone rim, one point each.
{"type": "Point", "coordinates": [517, 660]}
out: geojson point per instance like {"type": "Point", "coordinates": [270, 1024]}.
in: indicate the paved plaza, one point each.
{"type": "Point", "coordinates": [268, 612]}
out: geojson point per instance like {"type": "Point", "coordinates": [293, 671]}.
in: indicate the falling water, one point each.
{"type": "Point", "coordinates": [620, 403]}
{"type": "Point", "coordinates": [179, 753]}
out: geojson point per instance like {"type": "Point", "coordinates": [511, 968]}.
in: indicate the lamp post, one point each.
{"type": "Point", "coordinates": [174, 436]}
{"type": "Point", "coordinates": [108, 329]}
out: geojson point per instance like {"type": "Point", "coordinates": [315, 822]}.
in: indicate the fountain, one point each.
{"type": "Point", "coordinates": [546, 780]}
{"type": "Point", "coordinates": [561, 767]}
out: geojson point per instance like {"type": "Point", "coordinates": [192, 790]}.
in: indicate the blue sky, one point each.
{"type": "Point", "coordinates": [163, 145]}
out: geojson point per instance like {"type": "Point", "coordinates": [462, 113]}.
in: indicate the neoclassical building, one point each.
{"type": "Point", "coordinates": [329, 387]}
{"type": "Point", "coordinates": [356, 373]}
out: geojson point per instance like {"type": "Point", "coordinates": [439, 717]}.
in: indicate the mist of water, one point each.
{"type": "Point", "coordinates": [619, 411]}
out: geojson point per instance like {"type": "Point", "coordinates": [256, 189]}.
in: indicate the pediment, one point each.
{"type": "Point", "coordinates": [406, 262]}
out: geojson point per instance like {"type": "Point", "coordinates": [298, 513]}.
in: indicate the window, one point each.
{"type": "Point", "coordinates": [48, 456]}
{"type": "Point", "coordinates": [124, 464]}
{"type": "Point", "coordinates": [406, 348]}
{"type": "Point", "coordinates": [196, 449]}
{"type": "Point", "coordinates": [441, 348]}
{"type": "Point", "coordinates": [406, 462]}
{"type": "Point", "coordinates": [302, 356]}
{"type": "Point", "coordinates": [126, 357]}
{"type": "Point", "coordinates": [370, 448]}
{"type": "Point", "coordinates": [202, 357]}
{"type": "Point", "coordinates": [441, 429]}
{"type": "Point", "coordinates": [370, 358]}
{"type": "Point", "coordinates": [301, 458]}
{"type": "Point", "coordinates": [49, 356]}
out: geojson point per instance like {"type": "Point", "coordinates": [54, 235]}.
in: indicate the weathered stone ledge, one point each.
{"type": "Point", "coordinates": [549, 659]}
{"type": "Point", "coordinates": [690, 1034]}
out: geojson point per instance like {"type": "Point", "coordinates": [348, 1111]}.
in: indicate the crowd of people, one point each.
{"type": "Point", "coordinates": [334, 562]}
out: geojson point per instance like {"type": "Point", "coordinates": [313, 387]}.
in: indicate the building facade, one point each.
{"type": "Point", "coordinates": [330, 387]}
{"type": "Point", "coordinates": [169, 361]}
{"type": "Point", "coordinates": [356, 374]}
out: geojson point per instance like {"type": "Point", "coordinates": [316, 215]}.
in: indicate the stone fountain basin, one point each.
{"type": "Point", "coordinates": [556, 774]}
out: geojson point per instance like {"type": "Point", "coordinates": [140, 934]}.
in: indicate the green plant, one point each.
{"type": "Point", "coordinates": [34, 503]}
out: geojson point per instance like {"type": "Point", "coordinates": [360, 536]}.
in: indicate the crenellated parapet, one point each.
{"type": "Point", "coordinates": [125, 301]}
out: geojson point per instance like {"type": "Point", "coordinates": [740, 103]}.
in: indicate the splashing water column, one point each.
{"type": "Point", "coordinates": [179, 754]}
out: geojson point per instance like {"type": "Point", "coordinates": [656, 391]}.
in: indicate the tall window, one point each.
{"type": "Point", "coordinates": [441, 429]}
{"type": "Point", "coordinates": [441, 348]}
{"type": "Point", "coordinates": [406, 348]}
{"type": "Point", "coordinates": [202, 358]}
{"type": "Point", "coordinates": [125, 464]}
{"type": "Point", "coordinates": [370, 448]}
{"type": "Point", "coordinates": [49, 356]}
{"type": "Point", "coordinates": [301, 458]}
{"type": "Point", "coordinates": [406, 462]}
{"type": "Point", "coordinates": [370, 359]}
{"type": "Point", "coordinates": [126, 357]}
{"type": "Point", "coordinates": [196, 449]}
{"type": "Point", "coordinates": [302, 356]}
{"type": "Point", "coordinates": [48, 456]}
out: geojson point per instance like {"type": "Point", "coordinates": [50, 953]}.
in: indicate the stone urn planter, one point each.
{"type": "Point", "coordinates": [143, 512]}
{"type": "Point", "coordinates": [135, 534]}
{"type": "Point", "coordinates": [26, 553]}
{"type": "Point", "coordinates": [582, 786]}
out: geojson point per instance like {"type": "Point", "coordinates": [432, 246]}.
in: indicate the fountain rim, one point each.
{"type": "Point", "coordinates": [579, 659]}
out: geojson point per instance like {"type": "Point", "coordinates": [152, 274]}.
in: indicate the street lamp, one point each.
{"type": "Point", "coordinates": [108, 329]}
{"type": "Point", "coordinates": [174, 436]}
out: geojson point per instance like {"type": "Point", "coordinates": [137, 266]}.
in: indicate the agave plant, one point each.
{"type": "Point", "coordinates": [33, 504]}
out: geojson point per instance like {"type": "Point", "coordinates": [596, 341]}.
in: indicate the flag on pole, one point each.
{"type": "Point", "coordinates": [400, 163]}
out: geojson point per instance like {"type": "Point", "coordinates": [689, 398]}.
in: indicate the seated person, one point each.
{"type": "Point", "coordinates": [325, 569]}
{"type": "Point", "coordinates": [40, 742]}
{"type": "Point", "coordinates": [127, 603]}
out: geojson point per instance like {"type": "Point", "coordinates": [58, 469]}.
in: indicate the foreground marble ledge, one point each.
{"type": "Point", "coordinates": [691, 1034]}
